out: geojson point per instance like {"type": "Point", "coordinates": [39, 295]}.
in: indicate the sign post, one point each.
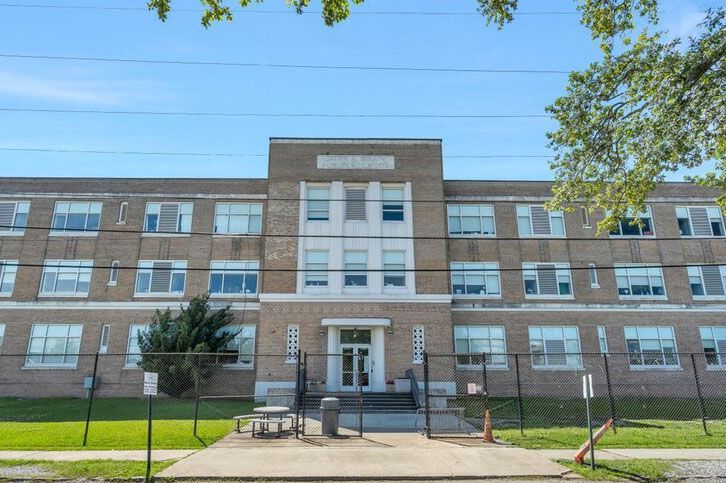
{"type": "Point", "coordinates": [587, 393]}
{"type": "Point", "coordinates": [151, 382]}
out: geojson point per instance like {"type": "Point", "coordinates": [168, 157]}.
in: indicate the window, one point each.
{"type": "Point", "coordinates": [105, 335]}
{"type": "Point", "coordinates": [76, 216]}
{"type": "Point", "coordinates": [585, 214]}
{"type": "Point", "coordinates": [547, 279]}
{"type": "Point", "coordinates": [628, 227]}
{"type": "Point", "coordinates": [392, 204]}
{"type": "Point", "coordinates": [113, 273]}
{"type": "Point", "coordinates": [13, 217]}
{"type": "Point", "coordinates": [293, 343]}
{"type": "Point", "coordinates": [238, 218]}
{"type": "Point", "coordinates": [168, 217]}
{"type": "Point", "coordinates": [470, 278]}
{"type": "Point", "coordinates": [316, 266]}
{"type": "Point", "coordinates": [476, 342]}
{"type": "Point", "coordinates": [394, 269]}
{"type": "Point", "coordinates": [419, 343]}
{"type": "Point", "coordinates": [318, 204]}
{"type": "Point", "coordinates": [122, 212]}
{"type": "Point", "coordinates": [240, 351]}
{"type": "Point", "coordinates": [640, 281]}
{"type": "Point", "coordinates": [233, 278]}
{"type": "Point", "coordinates": [355, 204]}
{"type": "Point", "coordinates": [471, 219]}
{"type": "Point", "coordinates": [2, 336]}
{"type": "Point", "coordinates": [356, 264]}
{"type": "Point", "coordinates": [707, 281]}
{"type": "Point", "coordinates": [714, 345]}
{"type": "Point", "coordinates": [534, 220]}
{"type": "Point", "coordinates": [555, 347]}
{"type": "Point", "coordinates": [8, 269]}
{"type": "Point", "coordinates": [602, 339]}
{"type": "Point", "coordinates": [700, 221]}
{"type": "Point", "coordinates": [592, 271]}
{"type": "Point", "coordinates": [133, 351]}
{"type": "Point", "coordinates": [54, 345]}
{"type": "Point", "coordinates": [164, 277]}
{"type": "Point", "coordinates": [66, 277]}
{"type": "Point", "coordinates": [651, 347]}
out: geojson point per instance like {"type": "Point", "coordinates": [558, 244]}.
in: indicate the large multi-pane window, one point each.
{"type": "Point", "coordinates": [392, 204]}
{"type": "Point", "coordinates": [714, 345]}
{"type": "Point", "coordinates": [161, 277]}
{"type": "Point", "coordinates": [13, 217]}
{"type": "Point", "coordinates": [479, 344]}
{"type": "Point", "coordinates": [316, 268]}
{"type": "Point", "coordinates": [651, 347]}
{"type": "Point", "coordinates": [547, 279]}
{"type": "Point", "coordinates": [394, 268]}
{"type": "Point", "coordinates": [237, 218]}
{"type": "Point", "coordinates": [318, 202]}
{"type": "Point", "coordinates": [168, 217]}
{"type": "Point", "coordinates": [471, 220]}
{"type": "Point", "coordinates": [69, 278]}
{"type": "Point", "coordinates": [629, 227]}
{"type": "Point", "coordinates": [8, 269]}
{"type": "Point", "coordinates": [356, 264]}
{"type": "Point", "coordinates": [233, 277]}
{"type": "Point", "coordinates": [76, 216]}
{"type": "Point", "coordinates": [555, 346]}
{"type": "Point", "coordinates": [700, 221]}
{"type": "Point", "coordinates": [471, 278]}
{"type": "Point", "coordinates": [133, 351]}
{"type": "Point", "coordinates": [54, 345]}
{"type": "Point", "coordinates": [640, 281]}
{"type": "Point", "coordinates": [707, 281]}
{"type": "Point", "coordinates": [534, 220]}
{"type": "Point", "coordinates": [240, 351]}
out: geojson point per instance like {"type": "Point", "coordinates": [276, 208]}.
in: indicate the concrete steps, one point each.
{"type": "Point", "coordinates": [373, 402]}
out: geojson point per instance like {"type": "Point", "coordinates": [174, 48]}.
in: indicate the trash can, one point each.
{"type": "Point", "coordinates": [329, 415]}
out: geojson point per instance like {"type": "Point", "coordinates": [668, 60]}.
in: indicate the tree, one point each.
{"type": "Point", "coordinates": [647, 108]}
{"type": "Point", "coordinates": [172, 344]}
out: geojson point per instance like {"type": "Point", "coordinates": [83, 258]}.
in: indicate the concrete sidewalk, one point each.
{"type": "Point", "coordinates": [640, 453]}
{"type": "Point", "coordinates": [118, 455]}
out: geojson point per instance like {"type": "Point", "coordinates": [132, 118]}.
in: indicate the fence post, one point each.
{"type": "Point", "coordinates": [520, 409]}
{"type": "Point", "coordinates": [359, 369]}
{"type": "Point", "coordinates": [427, 416]}
{"type": "Point", "coordinates": [196, 392]}
{"type": "Point", "coordinates": [304, 389]}
{"type": "Point", "coordinates": [611, 399]}
{"type": "Point", "coordinates": [485, 386]}
{"type": "Point", "coordinates": [90, 399]}
{"type": "Point", "coordinates": [701, 405]}
{"type": "Point", "coordinates": [298, 375]}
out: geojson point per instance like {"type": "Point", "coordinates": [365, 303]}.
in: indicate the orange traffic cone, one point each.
{"type": "Point", "coordinates": [488, 436]}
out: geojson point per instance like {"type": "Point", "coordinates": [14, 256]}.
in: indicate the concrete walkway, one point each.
{"type": "Point", "coordinates": [640, 453]}
{"type": "Point", "coordinates": [118, 455]}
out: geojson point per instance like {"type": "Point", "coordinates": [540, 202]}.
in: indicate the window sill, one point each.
{"type": "Point", "coordinates": [709, 297]}
{"type": "Point", "coordinates": [633, 237]}
{"type": "Point", "coordinates": [396, 290]}
{"type": "Point", "coordinates": [594, 286]}
{"type": "Point", "coordinates": [716, 368]}
{"type": "Point", "coordinates": [6, 295]}
{"type": "Point", "coordinates": [63, 295]}
{"type": "Point", "coordinates": [473, 235]}
{"type": "Point", "coordinates": [549, 297]}
{"type": "Point", "coordinates": [473, 367]}
{"type": "Point", "coordinates": [238, 367]}
{"type": "Point", "coordinates": [159, 295]}
{"type": "Point", "coordinates": [358, 290]}
{"type": "Point", "coordinates": [233, 295]}
{"type": "Point", "coordinates": [655, 368]}
{"type": "Point", "coordinates": [149, 234]}
{"type": "Point", "coordinates": [475, 296]}
{"type": "Point", "coordinates": [55, 367]}
{"type": "Point", "coordinates": [12, 233]}
{"type": "Point", "coordinates": [235, 235]}
{"type": "Point", "coordinates": [686, 237]}
{"type": "Point", "coordinates": [543, 236]}
{"type": "Point", "coordinates": [558, 368]}
{"type": "Point", "coordinates": [73, 233]}
{"type": "Point", "coordinates": [642, 297]}
{"type": "Point", "coordinates": [111, 284]}
{"type": "Point", "coordinates": [316, 289]}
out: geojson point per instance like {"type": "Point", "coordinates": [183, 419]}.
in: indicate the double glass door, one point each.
{"type": "Point", "coordinates": [355, 346]}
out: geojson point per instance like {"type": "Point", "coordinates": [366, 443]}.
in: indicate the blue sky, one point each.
{"type": "Point", "coordinates": [463, 41]}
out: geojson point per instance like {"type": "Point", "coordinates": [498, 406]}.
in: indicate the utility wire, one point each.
{"type": "Point", "coordinates": [282, 65]}
{"type": "Point", "coordinates": [276, 115]}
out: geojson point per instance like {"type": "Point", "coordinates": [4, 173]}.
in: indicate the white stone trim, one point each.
{"type": "Point", "coordinates": [356, 322]}
{"type": "Point", "coordinates": [205, 196]}
{"type": "Point", "coordinates": [353, 141]}
{"type": "Point", "coordinates": [360, 298]}
{"type": "Point", "coordinates": [72, 305]}
{"type": "Point", "coordinates": [594, 308]}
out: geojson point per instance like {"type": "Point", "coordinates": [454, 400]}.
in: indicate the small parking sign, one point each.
{"type": "Point", "coordinates": [151, 382]}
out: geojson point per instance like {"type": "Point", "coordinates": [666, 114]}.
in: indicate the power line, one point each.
{"type": "Point", "coordinates": [283, 66]}
{"type": "Point", "coordinates": [274, 115]}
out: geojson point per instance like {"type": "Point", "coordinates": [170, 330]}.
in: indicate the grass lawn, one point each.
{"type": "Point", "coordinates": [82, 469]}
{"type": "Point", "coordinates": [116, 423]}
{"type": "Point", "coordinates": [644, 470]}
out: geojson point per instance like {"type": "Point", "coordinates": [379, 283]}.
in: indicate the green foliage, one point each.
{"type": "Point", "coordinates": [645, 470]}
{"type": "Point", "coordinates": [169, 346]}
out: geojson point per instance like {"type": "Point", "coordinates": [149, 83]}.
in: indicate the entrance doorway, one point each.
{"type": "Point", "coordinates": [355, 345]}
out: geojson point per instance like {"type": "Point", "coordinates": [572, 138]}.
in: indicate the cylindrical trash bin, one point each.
{"type": "Point", "coordinates": [329, 415]}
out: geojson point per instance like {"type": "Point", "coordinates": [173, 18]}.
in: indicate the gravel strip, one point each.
{"type": "Point", "coordinates": [24, 471]}
{"type": "Point", "coordinates": [699, 469]}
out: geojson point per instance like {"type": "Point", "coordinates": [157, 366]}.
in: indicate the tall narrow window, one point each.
{"type": "Point", "coordinates": [122, 211]}
{"type": "Point", "coordinates": [318, 201]}
{"type": "Point", "coordinates": [534, 220]}
{"type": "Point", "coordinates": [13, 217]}
{"type": "Point", "coordinates": [585, 214]}
{"type": "Point", "coordinates": [8, 269]}
{"type": "Point", "coordinates": [113, 273]}
{"type": "Point", "coordinates": [2, 336]}
{"type": "Point", "coordinates": [355, 204]}
{"type": "Point", "coordinates": [592, 271]}
{"type": "Point", "coordinates": [602, 339]}
{"type": "Point", "coordinates": [394, 266]}
{"type": "Point", "coordinates": [356, 264]}
{"type": "Point", "coordinates": [133, 351]}
{"type": "Point", "coordinates": [316, 268]}
{"type": "Point", "coordinates": [392, 204]}
{"type": "Point", "coordinates": [105, 335]}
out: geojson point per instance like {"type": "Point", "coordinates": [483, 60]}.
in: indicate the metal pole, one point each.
{"type": "Point", "coordinates": [701, 404]}
{"type": "Point", "coordinates": [589, 424]}
{"type": "Point", "coordinates": [304, 389]}
{"type": "Point", "coordinates": [520, 409]}
{"type": "Point", "coordinates": [427, 416]}
{"type": "Point", "coordinates": [196, 392]}
{"type": "Point", "coordinates": [90, 399]}
{"type": "Point", "coordinates": [611, 399]}
{"type": "Point", "coordinates": [148, 445]}
{"type": "Point", "coordinates": [298, 375]}
{"type": "Point", "coordinates": [360, 366]}
{"type": "Point", "coordinates": [485, 387]}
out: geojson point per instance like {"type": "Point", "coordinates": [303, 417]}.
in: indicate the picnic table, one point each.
{"type": "Point", "coordinates": [266, 418]}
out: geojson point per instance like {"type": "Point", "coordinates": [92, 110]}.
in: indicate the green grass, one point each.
{"type": "Point", "coordinates": [90, 469]}
{"type": "Point", "coordinates": [116, 423]}
{"type": "Point", "coordinates": [645, 470]}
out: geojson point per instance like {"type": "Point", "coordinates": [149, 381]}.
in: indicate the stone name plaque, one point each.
{"type": "Point", "coordinates": [355, 162]}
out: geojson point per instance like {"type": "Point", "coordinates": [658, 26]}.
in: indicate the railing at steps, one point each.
{"type": "Point", "coordinates": [414, 387]}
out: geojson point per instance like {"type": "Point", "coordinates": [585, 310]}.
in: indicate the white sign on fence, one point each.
{"type": "Point", "coordinates": [151, 382]}
{"type": "Point", "coordinates": [471, 388]}
{"type": "Point", "coordinates": [587, 386]}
